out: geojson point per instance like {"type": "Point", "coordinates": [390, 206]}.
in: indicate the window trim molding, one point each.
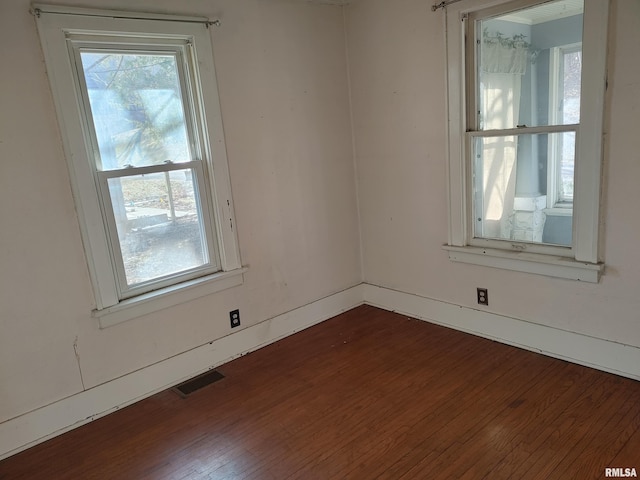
{"type": "Point", "coordinates": [54, 23]}
{"type": "Point", "coordinates": [587, 190]}
{"type": "Point", "coordinates": [587, 194]}
{"type": "Point", "coordinates": [549, 265]}
{"type": "Point", "coordinates": [167, 297]}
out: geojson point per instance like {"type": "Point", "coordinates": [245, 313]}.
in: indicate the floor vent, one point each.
{"type": "Point", "coordinates": [196, 383]}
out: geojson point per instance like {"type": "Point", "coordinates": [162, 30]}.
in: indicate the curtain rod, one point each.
{"type": "Point", "coordinates": [38, 10]}
{"type": "Point", "coordinates": [443, 4]}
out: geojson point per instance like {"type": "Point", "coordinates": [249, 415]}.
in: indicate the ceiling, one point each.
{"type": "Point", "coordinates": [546, 11]}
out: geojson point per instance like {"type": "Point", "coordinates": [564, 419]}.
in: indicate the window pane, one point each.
{"type": "Point", "coordinates": [566, 157]}
{"type": "Point", "coordinates": [571, 71]}
{"type": "Point", "coordinates": [520, 76]}
{"type": "Point", "coordinates": [158, 222]}
{"type": "Point", "coordinates": [137, 108]}
{"type": "Point", "coordinates": [512, 188]}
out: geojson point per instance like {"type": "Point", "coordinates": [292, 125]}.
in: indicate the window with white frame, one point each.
{"type": "Point", "coordinates": [565, 68]}
{"type": "Point", "coordinates": [526, 96]}
{"type": "Point", "coordinates": [137, 101]}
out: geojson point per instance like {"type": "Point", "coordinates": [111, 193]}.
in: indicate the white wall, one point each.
{"type": "Point", "coordinates": [397, 71]}
{"type": "Point", "coordinates": [283, 86]}
{"type": "Point", "coordinates": [284, 91]}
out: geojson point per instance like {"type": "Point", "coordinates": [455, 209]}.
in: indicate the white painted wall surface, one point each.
{"type": "Point", "coordinates": [283, 87]}
{"type": "Point", "coordinates": [398, 94]}
{"type": "Point", "coordinates": [283, 80]}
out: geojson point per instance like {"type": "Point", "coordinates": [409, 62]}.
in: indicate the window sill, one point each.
{"type": "Point", "coordinates": [558, 212]}
{"type": "Point", "coordinates": [549, 265]}
{"type": "Point", "coordinates": [168, 297]}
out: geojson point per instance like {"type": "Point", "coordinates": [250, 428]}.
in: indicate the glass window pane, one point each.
{"type": "Point", "coordinates": [159, 226]}
{"type": "Point", "coordinates": [566, 157]}
{"type": "Point", "coordinates": [136, 107]}
{"type": "Point", "coordinates": [516, 179]}
{"type": "Point", "coordinates": [571, 71]}
{"type": "Point", "coordinates": [521, 79]}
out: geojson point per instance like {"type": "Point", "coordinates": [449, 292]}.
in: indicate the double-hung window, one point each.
{"type": "Point", "coordinates": [137, 103]}
{"type": "Point", "coordinates": [526, 95]}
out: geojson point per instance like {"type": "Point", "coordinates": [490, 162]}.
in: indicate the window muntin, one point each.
{"type": "Point", "coordinates": [526, 164]}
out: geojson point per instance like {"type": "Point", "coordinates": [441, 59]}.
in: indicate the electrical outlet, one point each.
{"type": "Point", "coordinates": [483, 296]}
{"type": "Point", "coordinates": [234, 317]}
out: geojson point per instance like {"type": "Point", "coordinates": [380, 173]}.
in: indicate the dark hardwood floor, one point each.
{"type": "Point", "coordinates": [366, 395]}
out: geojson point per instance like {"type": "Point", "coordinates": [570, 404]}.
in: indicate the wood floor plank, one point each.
{"type": "Point", "coordinates": [574, 383]}
{"type": "Point", "coordinates": [628, 456]}
{"type": "Point", "coordinates": [461, 431]}
{"type": "Point", "coordinates": [396, 433]}
{"type": "Point", "coordinates": [606, 436]}
{"type": "Point", "coordinates": [517, 421]}
{"type": "Point", "coordinates": [384, 400]}
{"type": "Point", "coordinates": [584, 420]}
{"type": "Point", "coordinates": [368, 394]}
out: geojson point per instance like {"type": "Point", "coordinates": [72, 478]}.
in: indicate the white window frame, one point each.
{"type": "Point", "coordinates": [556, 72]}
{"type": "Point", "coordinates": [57, 27]}
{"type": "Point", "coordinates": [581, 261]}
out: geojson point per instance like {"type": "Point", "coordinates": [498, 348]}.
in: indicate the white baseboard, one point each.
{"type": "Point", "coordinates": [34, 427]}
{"type": "Point", "coordinates": [39, 425]}
{"type": "Point", "coordinates": [592, 352]}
